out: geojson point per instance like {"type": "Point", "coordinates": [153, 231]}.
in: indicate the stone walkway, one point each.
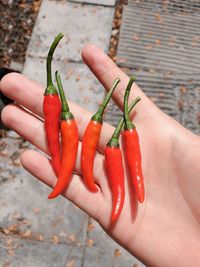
{"type": "Point", "coordinates": [56, 233]}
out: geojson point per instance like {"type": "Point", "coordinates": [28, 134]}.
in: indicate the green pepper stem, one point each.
{"type": "Point", "coordinates": [65, 107]}
{"type": "Point", "coordinates": [128, 123]}
{"type": "Point", "coordinates": [65, 114]}
{"type": "Point", "coordinates": [49, 60]}
{"type": "Point", "coordinates": [114, 140]}
{"type": "Point", "coordinates": [99, 114]}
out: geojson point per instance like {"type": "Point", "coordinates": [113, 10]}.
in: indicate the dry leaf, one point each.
{"type": "Point", "coordinates": [78, 78]}
{"type": "Point", "coordinates": [28, 233]}
{"type": "Point", "coordinates": [90, 243]}
{"type": "Point", "coordinates": [70, 263]}
{"type": "Point", "coordinates": [117, 253]}
{"type": "Point", "coordinates": [180, 104]}
{"type": "Point", "coordinates": [153, 99]}
{"type": "Point", "coordinates": [158, 17]}
{"type": "Point", "coordinates": [62, 233]}
{"type": "Point", "coordinates": [39, 238]}
{"type": "Point", "coordinates": [6, 264]}
{"type": "Point", "coordinates": [16, 215]}
{"type": "Point", "coordinates": [136, 37]}
{"type": "Point", "coordinates": [161, 94]}
{"type": "Point", "coordinates": [71, 238]}
{"type": "Point", "coordinates": [55, 239]}
{"type": "Point", "coordinates": [4, 153]}
{"type": "Point", "coordinates": [6, 231]}
{"type": "Point", "coordinates": [90, 226]}
{"type": "Point", "coordinates": [14, 228]}
{"type": "Point", "coordinates": [26, 222]}
{"type": "Point", "coordinates": [158, 41]}
{"type": "Point", "coordinates": [148, 46]}
{"type": "Point", "coordinates": [183, 89]}
{"type": "Point", "coordinates": [194, 41]}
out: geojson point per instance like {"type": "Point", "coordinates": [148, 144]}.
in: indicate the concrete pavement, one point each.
{"type": "Point", "coordinates": [33, 230]}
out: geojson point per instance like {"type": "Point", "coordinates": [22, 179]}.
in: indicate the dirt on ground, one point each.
{"type": "Point", "coordinates": [17, 19]}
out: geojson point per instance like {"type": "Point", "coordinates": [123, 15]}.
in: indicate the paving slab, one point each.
{"type": "Point", "coordinates": [79, 83]}
{"type": "Point", "coordinates": [25, 209]}
{"type": "Point", "coordinates": [97, 2]}
{"type": "Point", "coordinates": [77, 22]}
{"type": "Point", "coordinates": [101, 250]}
{"type": "Point", "coordinates": [15, 252]}
{"type": "Point", "coordinates": [113, 113]}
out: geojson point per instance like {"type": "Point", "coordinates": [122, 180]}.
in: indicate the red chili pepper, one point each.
{"type": "Point", "coordinates": [69, 133]}
{"type": "Point", "coordinates": [52, 109]}
{"type": "Point", "coordinates": [114, 163]}
{"type": "Point", "coordinates": [91, 139]}
{"type": "Point", "coordinates": [132, 149]}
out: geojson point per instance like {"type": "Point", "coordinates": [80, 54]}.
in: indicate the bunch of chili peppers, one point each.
{"type": "Point", "coordinates": [57, 116]}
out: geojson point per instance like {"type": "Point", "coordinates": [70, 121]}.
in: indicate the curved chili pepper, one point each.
{"type": "Point", "coordinates": [69, 133]}
{"type": "Point", "coordinates": [91, 139]}
{"type": "Point", "coordinates": [52, 109]}
{"type": "Point", "coordinates": [114, 164]}
{"type": "Point", "coordinates": [132, 149]}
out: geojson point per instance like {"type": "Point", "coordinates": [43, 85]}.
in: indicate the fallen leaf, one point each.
{"type": "Point", "coordinates": [28, 233]}
{"type": "Point", "coordinates": [13, 228]}
{"type": "Point", "coordinates": [90, 243]}
{"type": "Point", "coordinates": [70, 263]}
{"type": "Point", "coordinates": [78, 78]}
{"type": "Point", "coordinates": [7, 264]}
{"type": "Point", "coordinates": [180, 104]}
{"type": "Point", "coordinates": [117, 252]}
{"type": "Point", "coordinates": [71, 238]}
{"type": "Point", "coordinates": [158, 17]}
{"type": "Point", "coordinates": [16, 215]}
{"type": "Point", "coordinates": [136, 37]}
{"type": "Point", "coordinates": [158, 41]}
{"type": "Point", "coordinates": [90, 226]}
{"type": "Point", "coordinates": [55, 239]}
{"type": "Point", "coordinates": [39, 238]}
{"type": "Point", "coordinates": [62, 233]}
{"type": "Point", "coordinates": [183, 89]}
{"type": "Point", "coordinates": [148, 46]}
{"type": "Point", "coordinates": [6, 231]}
{"type": "Point", "coordinates": [153, 99]}
{"type": "Point", "coordinates": [26, 222]}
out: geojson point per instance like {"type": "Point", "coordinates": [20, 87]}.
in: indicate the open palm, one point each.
{"type": "Point", "coordinates": [165, 229]}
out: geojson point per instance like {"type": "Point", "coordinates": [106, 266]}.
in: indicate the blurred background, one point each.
{"type": "Point", "coordinates": [157, 41]}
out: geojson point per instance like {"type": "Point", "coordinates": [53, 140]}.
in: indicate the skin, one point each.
{"type": "Point", "coordinates": [165, 229]}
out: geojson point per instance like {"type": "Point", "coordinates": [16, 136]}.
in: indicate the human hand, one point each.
{"type": "Point", "coordinates": [165, 229]}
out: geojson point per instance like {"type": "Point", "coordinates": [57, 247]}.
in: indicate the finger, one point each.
{"type": "Point", "coordinates": [31, 129]}
{"type": "Point", "coordinates": [30, 95]}
{"type": "Point", "coordinates": [106, 71]}
{"type": "Point", "coordinates": [40, 167]}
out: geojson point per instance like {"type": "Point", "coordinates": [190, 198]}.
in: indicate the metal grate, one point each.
{"type": "Point", "coordinates": [160, 43]}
